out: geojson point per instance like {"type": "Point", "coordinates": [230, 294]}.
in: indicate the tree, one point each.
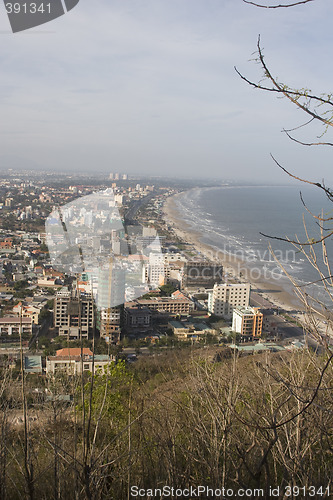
{"type": "Point", "coordinates": [167, 290]}
{"type": "Point", "coordinates": [299, 405]}
{"type": "Point", "coordinates": [319, 109]}
{"type": "Point", "coordinates": [44, 315]}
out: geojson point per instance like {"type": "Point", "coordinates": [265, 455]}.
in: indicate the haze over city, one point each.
{"type": "Point", "coordinates": [150, 88]}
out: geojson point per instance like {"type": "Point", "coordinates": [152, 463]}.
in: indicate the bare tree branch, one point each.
{"type": "Point", "coordinates": [321, 219]}
{"type": "Point", "coordinates": [307, 143]}
{"type": "Point", "coordinates": [299, 126]}
{"type": "Point", "coordinates": [284, 90]}
{"type": "Point", "coordinates": [302, 98]}
{"type": "Point", "coordinates": [279, 6]}
{"type": "Point", "coordinates": [327, 191]}
{"type": "Point", "coordinates": [288, 240]}
{"type": "Point", "coordinates": [289, 94]}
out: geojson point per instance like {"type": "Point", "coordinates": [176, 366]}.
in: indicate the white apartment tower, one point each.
{"type": "Point", "coordinates": [224, 297]}
{"type": "Point", "coordinates": [154, 271]}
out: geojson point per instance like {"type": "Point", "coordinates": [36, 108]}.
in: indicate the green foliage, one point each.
{"type": "Point", "coordinates": [44, 315]}
{"type": "Point", "coordinates": [177, 418]}
{"type": "Point", "coordinates": [167, 290]}
{"type": "Point", "coordinates": [23, 293]}
{"type": "Point", "coordinates": [20, 285]}
{"type": "Point", "coordinates": [50, 303]}
{"type": "Point", "coordinates": [111, 386]}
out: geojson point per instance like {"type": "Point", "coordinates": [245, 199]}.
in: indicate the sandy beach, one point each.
{"type": "Point", "coordinates": [235, 269]}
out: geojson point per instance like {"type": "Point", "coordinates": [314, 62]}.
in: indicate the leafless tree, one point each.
{"type": "Point", "coordinates": [275, 5]}
{"type": "Point", "coordinates": [4, 427]}
{"type": "Point", "coordinates": [318, 108]}
{"type": "Point", "coordinates": [301, 402]}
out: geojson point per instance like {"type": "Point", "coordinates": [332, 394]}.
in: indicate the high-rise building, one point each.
{"type": "Point", "coordinates": [110, 294]}
{"type": "Point", "coordinates": [247, 321]}
{"type": "Point", "coordinates": [111, 286]}
{"type": "Point", "coordinates": [108, 323]}
{"type": "Point", "coordinates": [154, 271]}
{"type": "Point", "coordinates": [224, 297]}
{"type": "Point", "coordinates": [74, 313]}
{"type": "Point", "coordinates": [119, 199]}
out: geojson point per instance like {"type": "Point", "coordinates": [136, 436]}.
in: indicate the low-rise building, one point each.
{"type": "Point", "coordinates": [270, 327]}
{"type": "Point", "coordinates": [27, 311]}
{"type": "Point", "coordinates": [191, 331]}
{"type": "Point", "coordinates": [137, 317]}
{"type": "Point", "coordinates": [6, 244]}
{"type": "Point", "coordinates": [75, 361]}
{"type": "Point", "coordinates": [257, 348]}
{"type": "Point", "coordinates": [11, 326]}
{"type": "Point", "coordinates": [49, 282]}
{"type": "Point", "coordinates": [166, 304]}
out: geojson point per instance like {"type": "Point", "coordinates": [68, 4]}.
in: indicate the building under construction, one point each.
{"type": "Point", "coordinates": [74, 313]}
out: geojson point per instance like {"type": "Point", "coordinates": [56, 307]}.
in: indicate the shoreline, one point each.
{"type": "Point", "coordinates": [235, 268]}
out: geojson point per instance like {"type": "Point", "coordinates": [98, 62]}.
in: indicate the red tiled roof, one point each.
{"type": "Point", "coordinates": [74, 351]}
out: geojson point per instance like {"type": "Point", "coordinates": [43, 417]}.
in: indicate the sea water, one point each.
{"type": "Point", "coordinates": [243, 221]}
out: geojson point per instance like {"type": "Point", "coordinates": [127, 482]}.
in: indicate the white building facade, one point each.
{"type": "Point", "coordinates": [247, 321]}
{"type": "Point", "coordinates": [224, 297]}
{"type": "Point", "coordinates": [154, 271]}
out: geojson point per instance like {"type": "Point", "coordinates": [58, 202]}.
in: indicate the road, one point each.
{"type": "Point", "coordinates": [259, 301]}
{"type": "Point", "coordinates": [290, 331]}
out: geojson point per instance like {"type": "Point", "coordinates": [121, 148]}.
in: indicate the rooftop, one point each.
{"type": "Point", "coordinates": [74, 351]}
{"type": "Point", "coordinates": [247, 310]}
{"type": "Point", "coordinates": [15, 320]}
{"type": "Point", "coordinates": [33, 363]}
{"type": "Point", "coordinates": [257, 347]}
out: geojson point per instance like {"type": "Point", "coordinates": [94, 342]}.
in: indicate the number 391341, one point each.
{"type": "Point", "coordinates": [28, 8]}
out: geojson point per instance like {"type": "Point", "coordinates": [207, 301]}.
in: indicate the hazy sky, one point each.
{"type": "Point", "coordinates": [148, 87]}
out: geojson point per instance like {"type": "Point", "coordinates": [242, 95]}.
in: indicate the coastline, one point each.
{"type": "Point", "coordinates": [263, 289]}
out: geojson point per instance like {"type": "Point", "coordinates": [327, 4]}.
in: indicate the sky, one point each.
{"type": "Point", "coordinates": [148, 87]}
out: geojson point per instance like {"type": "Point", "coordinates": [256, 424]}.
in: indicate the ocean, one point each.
{"type": "Point", "coordinates": [231, 219]}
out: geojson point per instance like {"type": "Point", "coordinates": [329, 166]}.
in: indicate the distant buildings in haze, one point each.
{"type": "Point", "coordinates": [117, 177]}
